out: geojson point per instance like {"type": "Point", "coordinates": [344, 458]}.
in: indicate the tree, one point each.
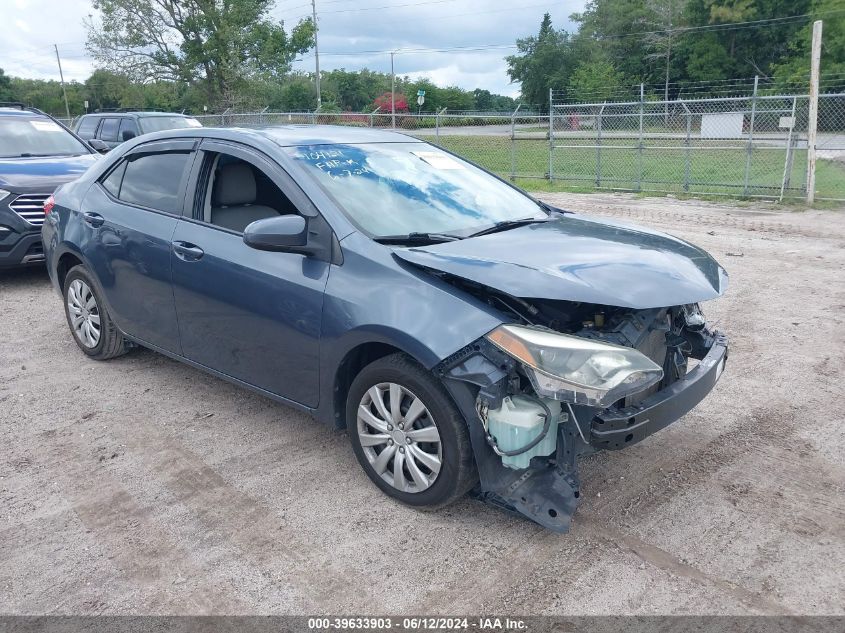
{"type": "Point", "coordinates": [542, 62]}
{"type": "Point", "coordinates": [218, 43]}
{"type": "Point", "coordinates": [612, 29]}
{"type": "Point", "coordinates": [595, 81]}
{"type": "Point", "coordinates": [384, 102]}
{"type": "Point", "coordinates": [792, 71]}
{"type": "Point", "coordinates": [6, 93]}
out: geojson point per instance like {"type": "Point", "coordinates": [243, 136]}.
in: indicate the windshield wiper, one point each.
{"type": "Point", "coordinates": [504, 225]}
{"type": "Point", "coordinates": [416, 238]}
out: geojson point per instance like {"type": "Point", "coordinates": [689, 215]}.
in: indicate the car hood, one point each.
{"type": "Point", "coordinates": [578, 258]}
{"type": "Point", "coordinates": [48, 172]}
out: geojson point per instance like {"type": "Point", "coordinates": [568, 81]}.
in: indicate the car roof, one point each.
{"type": "Point", "coordinates": [294, 135]}
{"type": "Point", "coordinates": [12, 111]}
{"type": "Point", "coordinates": [136, 113]}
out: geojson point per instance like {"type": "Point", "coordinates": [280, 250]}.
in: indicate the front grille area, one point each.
{"type": "Point", "coordinates": [30, 206]}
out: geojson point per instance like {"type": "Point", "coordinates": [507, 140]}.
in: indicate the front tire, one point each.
{"type": "Point", "coordinates": [88, 319]}
{"type": "Point", "coordinates": [408, 435]}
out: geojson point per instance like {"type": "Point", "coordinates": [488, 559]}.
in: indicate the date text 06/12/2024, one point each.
{"type": "Point", "coordinates": [417, 624]}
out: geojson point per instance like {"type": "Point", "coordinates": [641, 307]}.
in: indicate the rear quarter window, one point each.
{"type": "Point", "coordinates": [113, 180]}
{"type": "Point", "coordinates": [108, 131]}
{"type": "Point", "coordinates": [87, 127]}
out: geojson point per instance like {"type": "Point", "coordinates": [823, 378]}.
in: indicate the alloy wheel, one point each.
{"type": "Point", "coordinates": [399, 437]}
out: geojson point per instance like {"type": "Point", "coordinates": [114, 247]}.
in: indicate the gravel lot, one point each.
{"type": "Point", "coordinates": [144, 486]}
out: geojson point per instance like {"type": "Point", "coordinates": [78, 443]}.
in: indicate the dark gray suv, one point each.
{"type": "Point", "coordinates": [37, 154]}
{"type": "Point", "coordinates": [113, 128]}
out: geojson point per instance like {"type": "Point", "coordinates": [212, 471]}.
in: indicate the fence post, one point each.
{"type": "Point", "coordinates": [688, 149]}
{"type": "Point", "coordinates": [372, 113]}
{"type": "Point", "coordinates": [640, 144]}
{"type": "Point", "coordinates": [787, 163]}
{"type": "Point", "coordinates": [551, 133]}
{"type": "Point", "coordinates": [812, 123]}
{"type": "Point", "coordinates": [750, 146]}
{"type": "Point", "coordinates": [598, 144]}
{"type": "Point", "coordinates": [513, 141]}
{"type": "Point", "coordinates": [437, 122]}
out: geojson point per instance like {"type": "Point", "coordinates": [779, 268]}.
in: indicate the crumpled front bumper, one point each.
{"type": "Point", "coordinates": [549, 493]}
{"type": "Point", "coordinates": [614, 429]}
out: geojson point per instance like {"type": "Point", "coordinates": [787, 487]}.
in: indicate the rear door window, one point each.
{"type": "Point", "coordinates": [88, 127]}
{"type": "Point", "coordinates": [108, 131]}
{"type": "Point", "coordinates": [156, 181]}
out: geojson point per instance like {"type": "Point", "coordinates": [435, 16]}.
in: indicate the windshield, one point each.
{"type": "Point", "coordinates": [390, 189]}
{"type": "Point", "coordinates": [159, 123]}
{"type": "Point", "coordinates": [24, 136]}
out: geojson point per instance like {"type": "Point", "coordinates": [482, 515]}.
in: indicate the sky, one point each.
{"type": "Point", "coordinates": [348, 29]}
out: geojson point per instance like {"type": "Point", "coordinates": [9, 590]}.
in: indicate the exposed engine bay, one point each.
{"type": "Point", "coordinates": [539, 408]}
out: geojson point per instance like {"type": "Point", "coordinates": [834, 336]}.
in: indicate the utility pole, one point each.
{"type": "Point", "coordinates": [812, 122]}
{"type": "Point", "coordinates": [392, 93]}
{"type": "Point", "coordinates": [62, 77]}
{"type": "Point", "coordinates": [316, 53]}
{"type": "Point", "coordinates": [666, 83]}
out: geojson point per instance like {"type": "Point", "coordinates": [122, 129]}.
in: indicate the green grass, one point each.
{"type": "Point", "coordinates": [710, 171]}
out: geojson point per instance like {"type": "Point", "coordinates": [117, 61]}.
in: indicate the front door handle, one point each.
{"type": "Point", "coordinates": [187, 252]}
{"type": "Point", "coordinates": [94, 219]}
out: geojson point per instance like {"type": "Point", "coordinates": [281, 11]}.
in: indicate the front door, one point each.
{"type": "Point", "coordinates": [252, 315]}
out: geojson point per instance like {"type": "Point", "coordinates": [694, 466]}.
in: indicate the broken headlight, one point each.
{"type": "Point", "coordinates": [574, 369]}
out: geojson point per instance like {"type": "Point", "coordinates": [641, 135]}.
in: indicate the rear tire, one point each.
{"type": "Point", "coordinates": [420, 455]}
{"type": "Point", "coordinates": [88, 319]}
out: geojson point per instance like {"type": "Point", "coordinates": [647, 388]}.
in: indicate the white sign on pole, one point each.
{"type": "Point", "coordinates": [420, 100]}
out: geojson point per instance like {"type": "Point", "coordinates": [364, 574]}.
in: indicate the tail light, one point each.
{"type": "Point", "coordinates": [49, 203]}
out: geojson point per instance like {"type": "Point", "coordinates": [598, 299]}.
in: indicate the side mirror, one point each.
{"type": "Point", "coordinates": [127, 135]}
{"type": "Point", "coordinates": [98, 145]}
{"type": "Point", "coordinates": [286, 233]}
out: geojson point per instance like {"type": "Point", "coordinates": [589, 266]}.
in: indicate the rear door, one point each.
{"type": "Point", "coordinates": [253, 315]}
{"type": "Point", "coordinates": [128, 219]}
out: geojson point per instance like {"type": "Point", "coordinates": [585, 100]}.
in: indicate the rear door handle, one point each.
{"type": "Point", "coordinates": [94, 219]}
{"type": "Point", "coordinates": [187, 252]}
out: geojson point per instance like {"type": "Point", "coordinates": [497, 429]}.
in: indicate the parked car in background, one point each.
{"type": "Point", "coordinates": [37, 154]}
{"type": "Point", "coordinates": [114, 128]}
{"type": "Point", "coordinates": [465, 334]}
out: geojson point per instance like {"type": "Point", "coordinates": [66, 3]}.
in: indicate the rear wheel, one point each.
{"type": "Point", "coordinates": [89, 321]}
{"type": "Point", "coordinates": [408, 435]}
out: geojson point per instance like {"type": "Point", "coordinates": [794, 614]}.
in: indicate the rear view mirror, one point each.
{"type": "Point", "coordinates": [127, 135]}
{"type": "Point", "coordinates": [286, 233]}
{"type": "Point", "coordinates": [98, 145]}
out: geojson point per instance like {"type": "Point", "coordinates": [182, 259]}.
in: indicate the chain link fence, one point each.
{"type": "Point", "coordinates": [753, 146]}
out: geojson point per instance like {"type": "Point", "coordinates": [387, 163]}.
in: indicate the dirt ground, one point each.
{"type": "Point", "coordinates": [144, 486]}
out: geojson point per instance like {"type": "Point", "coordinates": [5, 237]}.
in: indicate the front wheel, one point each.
{"type": "Point", "coordinates": [88, 319]}
{"type": "Point", "coordinates": [408, 435]}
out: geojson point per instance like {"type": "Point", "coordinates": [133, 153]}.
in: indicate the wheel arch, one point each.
{"type": "Point", "coordinates": [344, 358]}
{"type": "Point", "coordinates": [64, 263]}
{"type": "Point", "coordinates": [350, 366]}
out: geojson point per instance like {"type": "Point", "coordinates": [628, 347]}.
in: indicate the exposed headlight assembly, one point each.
{"type": "Point", "coordinates": [575, 369]}
{"type": "Point", "coordinates": [3, 193]}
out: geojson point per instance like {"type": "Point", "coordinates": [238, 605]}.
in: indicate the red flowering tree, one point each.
{"type": "Point", "coordinates": [383, 102]}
